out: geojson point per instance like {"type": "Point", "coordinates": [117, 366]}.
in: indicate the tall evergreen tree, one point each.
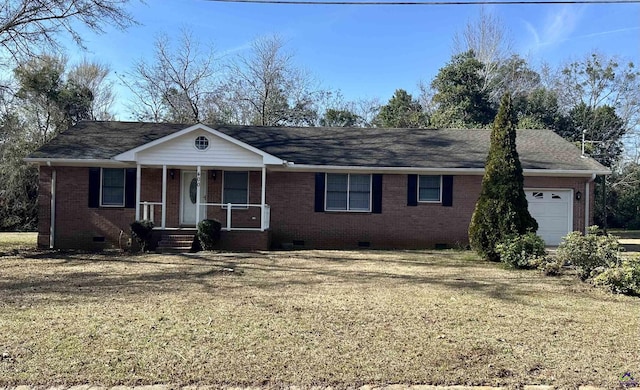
{"type": "Point", "coordinates": [402, 111]}
{"type": "Point", "coordinates": [502, 208]}
{"type": "Point", "coordinates": [340, 118]}
{"type": "Point", "coordinates": [459, 94]}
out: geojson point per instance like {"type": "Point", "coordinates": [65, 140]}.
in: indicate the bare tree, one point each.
{"type": "Point", "coordinates": [488, 39]}
{"type": "Point", "coordinates": [93, 76]}
{"type": "Point", "coordinates": [178, 86]}
{"type": "Point", "coordinates": [606, 87]}
{"type": "Point", "coordinates": [367, 109]}
{"type": "Point", "coordinates": [147, 103]}
{"type": "Point", "coordinates": [268, 89]}
{"type": "Point", "coordinates": [27, 26]}
{"type": "Point", "coordinates": [425, 98]}
{"type": "Point", "coordinates": [598, 80]}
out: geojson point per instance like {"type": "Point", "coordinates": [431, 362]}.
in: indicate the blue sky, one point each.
{"type": "Point", "coordinates": [368, 51]}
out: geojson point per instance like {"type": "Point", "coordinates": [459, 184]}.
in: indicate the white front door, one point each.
{"type": "Point", "coordinates": [553, 211]}
{"type": "Point", "coordinates": [188, 197]}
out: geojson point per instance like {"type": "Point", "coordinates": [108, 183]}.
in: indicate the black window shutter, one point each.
{"type": "Point", "coordinates": [319, 198]}
{"type": "Point", "coordinates": [376, 186]}
{"type": "Point", "coordinates": [130, 188]}
{"type": "Point", "coordinates": [412, 190]}
{"type": "Point", "coordinates": [94, 187]}
{"type": "Point", "coordinates": [447, 190]}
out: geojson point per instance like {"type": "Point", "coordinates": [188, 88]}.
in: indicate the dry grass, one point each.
{"type": "Point", "coordinates": [16, 241]}
{"type": "Point", "coordinates": [306, 318]}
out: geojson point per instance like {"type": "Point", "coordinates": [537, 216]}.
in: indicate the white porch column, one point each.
{"type": "Point", "coordinates": [263, 197]}
{"type": "Point", "coordinates": [198, 173]}
{"type": "Point", "coordinates": [138, 179]}
{"type": "Point", "coordinates": [164, 196]}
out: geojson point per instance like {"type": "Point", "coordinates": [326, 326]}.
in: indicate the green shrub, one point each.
{"type": "Point", "coordinates": [521, 251]}
{"type": "Point", "coordinates": [591, 253]}
{"type": "Point", "coordinates": [141, 231]}
{"type": "Point", "coordinates": [209, 233]}
{"type": "Point", "coordinates": [550, 266]}
{"type": "Point", "coordinates": [622, 279]}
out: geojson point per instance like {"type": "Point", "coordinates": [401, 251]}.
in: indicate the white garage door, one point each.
{"type": "Point", "coordinates": [553, 211]}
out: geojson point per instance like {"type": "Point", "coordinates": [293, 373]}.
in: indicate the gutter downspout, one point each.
{"type": "Point", "coordinates": [52, 224]}
{"type": "Point", "coordinates": [263, 197]}
{"type": "Point", "coordinates": [587, 202]}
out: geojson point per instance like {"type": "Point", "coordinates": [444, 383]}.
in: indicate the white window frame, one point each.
{"type": "Point", "coordinates": [347, 210]}
{"type": "Point", "coordinates": [124, 188]}
{"type": "Point", "coordinates": [195, 143]}
{"type": "Point", "coordinates": [429, 201]}
{"type": "Point", "coordinates": [246, 206]}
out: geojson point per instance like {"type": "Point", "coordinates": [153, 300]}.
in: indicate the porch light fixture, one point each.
{"type": "Point", "coordinates": [172, 173]}
{"type": "Point", "coordinates": [578, 195]}
{"type": "Point", "coordinates": [213, 174]}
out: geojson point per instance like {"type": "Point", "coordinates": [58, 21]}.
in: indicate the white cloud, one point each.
{"type": "Point", "coordinates": [534, 33]}
{"type": "Point", "coordinates": [558, 26]}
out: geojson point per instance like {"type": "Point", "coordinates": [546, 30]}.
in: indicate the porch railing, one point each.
{"type": "Point", "coordinates": [149, 209]}
{"type": "Point", "coordinates": [231, 207]}
{"type": "Point", "coordinates": [149, 213]}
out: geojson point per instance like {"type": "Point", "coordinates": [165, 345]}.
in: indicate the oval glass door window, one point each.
{"type": "Point", "coordinates": [193, 189]}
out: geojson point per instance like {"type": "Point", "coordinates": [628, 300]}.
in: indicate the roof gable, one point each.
{"type": "Point", "coordinates": [179, 148]}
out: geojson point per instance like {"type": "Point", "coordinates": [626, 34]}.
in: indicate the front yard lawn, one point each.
{"type": "Point", "coordinates": [16, 241]}
{"type": "Point", "coordinates": [306, 318]}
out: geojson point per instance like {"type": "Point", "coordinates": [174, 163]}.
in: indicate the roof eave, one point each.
{"type": "Point", "coordinates": [565, 172]}
{"type": "Point", "coordinates": [432, 170]}
{"type": "Point", "coordinates": [76, 162]}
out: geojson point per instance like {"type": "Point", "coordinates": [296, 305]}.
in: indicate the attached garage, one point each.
{"type": "Point", "coordinates": [552, 208]}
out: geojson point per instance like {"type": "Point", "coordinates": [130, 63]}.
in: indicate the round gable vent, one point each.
{"type": "Point", "coordinates": [202, 143]}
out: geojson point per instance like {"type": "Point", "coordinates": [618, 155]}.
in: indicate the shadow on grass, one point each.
{"type": "Point", "coordinates": [120, 274]}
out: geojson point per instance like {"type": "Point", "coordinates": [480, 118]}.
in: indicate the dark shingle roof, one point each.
{"type": "Point", "coordinates": [418, 148]}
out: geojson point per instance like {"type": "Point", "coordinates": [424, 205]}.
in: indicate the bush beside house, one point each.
{"type": "Point", "coordinates": [522, 251]}
{"type": "Point", "coordinates": [142, 232]}
{"type": "Point", "coordinates": [209, 233]}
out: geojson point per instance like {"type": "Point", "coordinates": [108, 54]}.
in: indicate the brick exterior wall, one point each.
{"type": "Point", "coordinates": [77, 225]}
{"type": "Point", "coordinates": [291, 197]}
{"type": "Point", "coordinates": [293, 219]}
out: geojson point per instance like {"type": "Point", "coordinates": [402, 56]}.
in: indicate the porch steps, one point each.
{"type": "Point", "coordinates": [175, 243]}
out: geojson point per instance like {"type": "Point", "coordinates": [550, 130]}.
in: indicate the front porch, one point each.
{"type": "Point", "coordinates": [200, 173]}
{"type": "Point", "coordinates": [178, 197]}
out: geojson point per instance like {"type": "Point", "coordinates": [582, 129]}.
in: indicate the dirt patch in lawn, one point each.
{"type": "Point", "coordinates": [306, 318]}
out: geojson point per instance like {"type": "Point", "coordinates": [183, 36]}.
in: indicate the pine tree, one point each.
{"type": "Point", "coordinates": [502, 208]}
